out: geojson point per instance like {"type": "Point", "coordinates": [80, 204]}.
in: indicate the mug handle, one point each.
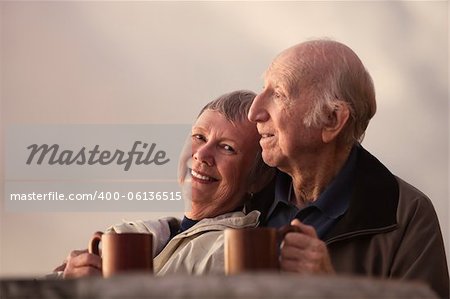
{"type": "Point", "coordinates": [284, 230]}
{"type": "Point", "coordinates": [93, 244]}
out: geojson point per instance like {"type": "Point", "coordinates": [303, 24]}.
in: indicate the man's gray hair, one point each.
{"type": "Point", "coordinates": [335, 74]}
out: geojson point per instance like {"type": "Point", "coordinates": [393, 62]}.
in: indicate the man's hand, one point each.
{"type": "Point", "coordinates": [80, 263]}
{"type": "Point", "coordinates": [304, 252]}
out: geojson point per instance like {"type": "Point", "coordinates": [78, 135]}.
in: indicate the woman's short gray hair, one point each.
{"type": "Point", "coordinates": [234, 105]}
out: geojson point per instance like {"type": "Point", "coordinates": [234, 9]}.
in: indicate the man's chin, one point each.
{"type": "Point", "coordinates": [270, 159]}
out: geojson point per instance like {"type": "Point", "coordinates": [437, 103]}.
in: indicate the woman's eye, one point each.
{"type": "Point", "coordinates": [198, 137]}
{"type": "Point", "coordinates": [228, 148]}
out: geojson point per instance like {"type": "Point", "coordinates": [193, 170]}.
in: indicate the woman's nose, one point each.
{"type": "Point", "coordinates": [258, 112]}
{"type": "Point", "coordinates": [204, 154]}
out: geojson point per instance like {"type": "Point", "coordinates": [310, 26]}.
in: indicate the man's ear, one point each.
{"type": "Point", "coordinates": [337, 119]}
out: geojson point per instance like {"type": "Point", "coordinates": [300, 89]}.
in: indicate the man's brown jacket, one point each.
{"type": "Point", "coordinates": [390, 229]}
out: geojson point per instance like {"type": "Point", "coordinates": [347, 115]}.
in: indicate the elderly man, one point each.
{"type": "Point", "coordinates": [355, 216]}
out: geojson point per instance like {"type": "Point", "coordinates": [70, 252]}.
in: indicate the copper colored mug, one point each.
{"type": "Point", "coordinates": [253, 249]}
{"type": "Point", "coordinates": [123, 252]}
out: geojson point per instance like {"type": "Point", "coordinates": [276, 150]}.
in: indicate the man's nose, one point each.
{"type": "Point", "coordinates": [258, 112]}
{"type": "Point", "coordinates": [204, 154]}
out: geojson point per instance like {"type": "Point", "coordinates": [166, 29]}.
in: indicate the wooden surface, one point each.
{"type": "Point", "coordinates": [261, 285]}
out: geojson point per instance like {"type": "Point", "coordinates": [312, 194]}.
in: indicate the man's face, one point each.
{"type": "Point", "coordinates": [223, 154]}
{"type": "Point", "coordinates": [279, 114]}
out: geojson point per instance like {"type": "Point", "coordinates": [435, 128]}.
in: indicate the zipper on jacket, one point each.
{"type": "Point", "coordinates": [359, 233]}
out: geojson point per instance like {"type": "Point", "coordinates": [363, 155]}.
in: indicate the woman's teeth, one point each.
{"type": "Point", "coordinates": [199, 176]}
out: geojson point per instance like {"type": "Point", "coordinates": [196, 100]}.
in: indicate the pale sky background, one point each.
{"type": "Point", "coordinates": [147, 62]}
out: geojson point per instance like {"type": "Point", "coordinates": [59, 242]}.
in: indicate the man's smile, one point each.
{"type": "Point", "coordinates": [266, 135]}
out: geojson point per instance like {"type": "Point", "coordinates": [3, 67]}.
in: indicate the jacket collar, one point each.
{"type": "Point", "coordinates": [373, 203]}
{"type": "Point", "coordinates": [222, 222]}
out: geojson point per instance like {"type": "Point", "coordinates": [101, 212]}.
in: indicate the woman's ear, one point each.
{"type": "Point", "coordinates": [337, 119]}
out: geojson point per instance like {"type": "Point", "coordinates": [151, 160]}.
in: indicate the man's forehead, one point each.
{"type": "Point", "coordinates": [280, 74]}
{"type": "Point", "coordinates": [275, 72]}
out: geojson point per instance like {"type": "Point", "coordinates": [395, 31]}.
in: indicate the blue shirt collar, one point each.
{"type": "Point", "coordinates": [186, 224]}
{"type": "Point", "coordinates": [333, 201]}
{"type": "Point", "coordinates": [283, 186]}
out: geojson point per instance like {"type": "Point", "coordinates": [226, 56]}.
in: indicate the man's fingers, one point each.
{"type": "Point", "coordinates": [297, 240]}
{"type": "Point", "coordinates": [302, 240]}
{"type": "Point", "coordinates": [306, 229]}
{"type": "Point", "coordinates": [304, 252]}
{"type": "Point", "coordinates": [299, 266]}
{"type": "Point", "coordinates": [294, 253]}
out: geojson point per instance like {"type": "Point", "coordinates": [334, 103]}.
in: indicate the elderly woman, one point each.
{"type": "Point", "coordinates": [223, 170]}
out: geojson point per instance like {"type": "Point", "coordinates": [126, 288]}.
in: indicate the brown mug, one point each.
{"type": "Point", "coordinates": [123, 252]}
{"type": "Point", "coordinates": [253, 249]}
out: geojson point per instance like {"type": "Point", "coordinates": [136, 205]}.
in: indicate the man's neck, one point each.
{"type": "Point", "coordinates": [310, 177]}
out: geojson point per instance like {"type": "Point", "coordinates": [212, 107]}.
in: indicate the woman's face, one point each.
{"type": "Point", "coordinates": [223, 154]}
